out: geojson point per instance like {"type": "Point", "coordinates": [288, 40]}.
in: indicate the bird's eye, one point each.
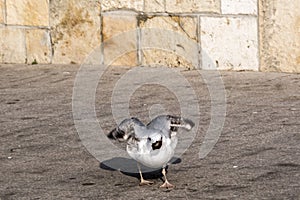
{"type": "Point", "coordinates": [149, 139]}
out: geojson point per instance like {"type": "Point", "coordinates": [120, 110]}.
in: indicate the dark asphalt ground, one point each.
{"type": "Point", "coordinates": [257, 155]}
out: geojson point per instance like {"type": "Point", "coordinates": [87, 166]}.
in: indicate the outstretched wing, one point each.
{"type": "Point", "coordinates": [126, 130]}
{"type": "Point", "coordinates": [170, 124]}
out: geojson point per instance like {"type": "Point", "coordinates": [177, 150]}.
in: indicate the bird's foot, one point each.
{"type": "Point", "coordinates": [144, 182]}
{"type": "Point", "coordinates": [167, 185]}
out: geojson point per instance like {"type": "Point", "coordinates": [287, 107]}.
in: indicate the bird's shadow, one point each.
{"type": "Point", "coordinates": [129, 167]}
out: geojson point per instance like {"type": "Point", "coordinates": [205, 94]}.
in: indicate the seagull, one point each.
{"type": "Point", "coordinates": [152, 145]}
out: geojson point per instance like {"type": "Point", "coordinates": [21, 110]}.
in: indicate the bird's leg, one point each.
{"type": "Point", "coordinates": [143, 181]}
{"type": "Point", "coordinates": [166, 183]}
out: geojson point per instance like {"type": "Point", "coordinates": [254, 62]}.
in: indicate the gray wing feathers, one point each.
{"type": "Point", "coordinates": [134, 129]}
{"type": "Point", "coordinates": [126, 129]}
{"type": "Point", "coordinates": [170, 124]}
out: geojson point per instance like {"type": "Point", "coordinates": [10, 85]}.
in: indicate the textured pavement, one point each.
{"type": "Point", "coordinates": [42, 157]}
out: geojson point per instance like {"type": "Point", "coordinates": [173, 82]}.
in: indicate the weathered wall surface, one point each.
{"type": "Point", "coordinates": [24, 31]}
{"type": "Point", "coordinates": [280, 35]}
{"type": "Point", "coordinates": [226, 34]}
{"type": "Point", "coordinates": [194, 34]}
{"type": "Point", "coordinates": [75, 29]}
{"type": "Point", "coordinates": [48, 31]}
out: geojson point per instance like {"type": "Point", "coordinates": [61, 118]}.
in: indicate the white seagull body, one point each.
{"type": "Point", "coordinates": [143, 151]}
{"type": "Point", "coordinates": [152, 145]}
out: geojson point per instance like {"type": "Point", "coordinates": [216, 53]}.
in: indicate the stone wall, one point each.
{"type": "Point", "coordinates": [280, 35]}
{"type": "Point", "coordinates": [56, 31]}
{"type": "Point", "coordinates": [24, 31]}
{"type": "Point", "coordinates": [227, 34]}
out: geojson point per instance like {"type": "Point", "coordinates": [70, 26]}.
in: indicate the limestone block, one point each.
{"type": "Point", "coordinates": [109, 5]}
{"type": "Point", "coordinates": [229, 43]}
{"type": "Point", "coordinates": [280, 36]}
{"type": "Point", "coordinates": [120, 39]}
{"type": "Point", "coordinates": [2, 11]}
{"type": "Point", "coordinates": [29, 12]}
{"type": "Point", "coordinates": [38, 46]}
{"type": "Point", "coordinates": [169, 41]}
{"type": "Point", "coordinates": [75, 30]}
{"type": "Point", "coordinates": [177, 6]}
{"type": "Point", "coordinates": [12, 45]}
{"type": "Point", "coordinates": [239, 7]}
{"type": "Point", "coordinates": [154, 6]}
